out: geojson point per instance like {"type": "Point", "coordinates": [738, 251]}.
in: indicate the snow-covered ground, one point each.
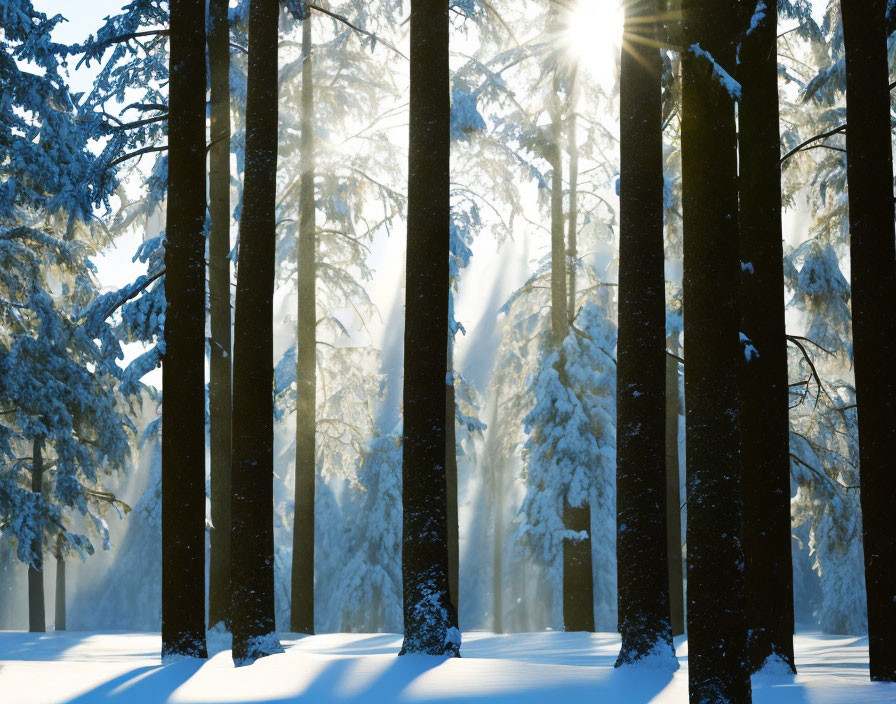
{"type": "Point", "coordinates": [533, 668]}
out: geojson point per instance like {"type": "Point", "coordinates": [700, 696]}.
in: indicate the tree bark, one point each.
{"type": "Point", "coordinates": [219, 388]}
{"type": "Point", "coordinates": [673, 494]}
{"type": "Point", "coordinates": [715, 584]}
{"type": "Point", "coordinates": [764, 393]}
{"type": "Point", "coordinates": [183, 369]}
{"type": "Point", "coordinates": [302, 607]}
{"type": "Point", "coordinates": [641, 547]}
{"type": "Point", "coordinates": [873, 272]}
{"type": "Point", "coordinates": [36, 616]}
{"type": "Point", "coordinates": [451, 483]}
{"type": "Point", "coordinates": [60, 587]}
{"type": "Point", "coordinates": [252, 504]}
{"type": "Point", "coordinates": [430, 621]}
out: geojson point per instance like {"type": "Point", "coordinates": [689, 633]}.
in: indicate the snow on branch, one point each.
{"type": "Point", "coordinates": [731, 86]}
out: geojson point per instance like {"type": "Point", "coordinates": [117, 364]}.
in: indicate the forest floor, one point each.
{"type": "Point", "coordinates": [530, 668]}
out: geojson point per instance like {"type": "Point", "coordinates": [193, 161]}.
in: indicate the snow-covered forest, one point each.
{"type": "Point", "coordinates": [554, 334]}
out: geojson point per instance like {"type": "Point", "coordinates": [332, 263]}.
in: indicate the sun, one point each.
{"type": "Point", "coordinates": [594, 36]}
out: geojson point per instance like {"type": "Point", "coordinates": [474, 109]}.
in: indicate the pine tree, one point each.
{"type": "Point", "coordinates": [715, 580]}
{"type": "Point", "coordinates": [873, 272]}
{"type": "Point", "coordinates": [183, 370]}
{"type": "Point", "coordinates": [764, 391]}
{"type": "Point", "coordinates": [219, 388]}
{"type": "Point", "coordinates": [641, 548]}
{"type": "Point", "coordinates": [252, 503]}
{"type": "Point", "coordinates": [302, 602]}
{"type": "Point", "coordinates": [430, 622]}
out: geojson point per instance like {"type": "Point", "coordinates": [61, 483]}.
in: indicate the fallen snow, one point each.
{"type": "Point", "coordinates": [532, 668]}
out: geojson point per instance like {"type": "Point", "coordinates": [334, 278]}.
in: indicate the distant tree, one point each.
{"type": "Point", "coordinates": [252, 503]}
{"type": "Point", "coordinates": [641, 547]}
{"type": "Point", "coordinates": [873, 272]}
{"type": "Point", "coordinates": [183, 369]}
{"type": "Point", "coordinates": [718, 668]}
{"type": "Point", "coordinates": [764, 391]}
{"type": "Point", "coordinates": [430, 621]}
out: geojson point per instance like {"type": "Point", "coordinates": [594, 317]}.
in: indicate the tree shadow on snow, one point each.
{"type": "Point", "coordinates": [150, 684]}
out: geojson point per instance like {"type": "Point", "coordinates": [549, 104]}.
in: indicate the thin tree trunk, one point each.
{"type": "Point", "coordinates": [60, 587]}
{"type": "Point", "coordinates": [641, 548]}
{"type": "Point", "coordinates": [673, 494]}
{"type": "Point", "coordinates": [302, 606]}
{"type": "Point", "coordinates": [36, 615]}
{"type": "Point", "coordinates": [873, 271]}
{"type": "Point", "coordinates": [430, 621]}
{"type": "Point", "coordinates": [573, 224]}
{"type": "Point", "coordinates": [578, 578]}
{"type": "Point", "coordinates": [183, 370]}
{"type": "Point", "coordinates": [715, 588]}
{"type": "Point", "coordinates": [451, 483]}
{"type": "Point", "coordinates": [219, 387]}
{"type": "Point", "coordinates": [764, 394]}
{"type": "Point", "coordinates": [252, 507]}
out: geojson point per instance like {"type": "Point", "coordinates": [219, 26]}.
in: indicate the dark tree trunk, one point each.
{"type": "Point", "coordinates": [36, 617]}
{"type": "Point", "coordinates": [252, 506]}
{"type": "Point", "coordinates": [302, 607]}
{"type": "Point", "coordinates": [219, 388]}
{"type": "Point", "coordinates": [870, 177]}
{"type": "Point", "coordinates": [60, 587]}
{"type": "Point", "coordinates": [430, 621]}
{"type": "Point", "coordinates": [183, 371]}
{"type": "Point", "coordinates": [451, 483]}
{"type": "Point", "coordinates": [715, 576]}
{"type": "Point", "coordinates": [673, 494]}
{"type": "Point", "coordinates": [641, 548]}
{"type": "Point", "coordinates": [764, 397]}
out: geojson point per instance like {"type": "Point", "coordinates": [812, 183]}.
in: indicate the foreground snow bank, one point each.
{"type": "Point", "coordinates": [532, 668]}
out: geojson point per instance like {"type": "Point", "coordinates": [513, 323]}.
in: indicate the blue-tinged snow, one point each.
{"type": "Point", "coordinates": [731, 86]}
{"type": "Point", "coordinates": [524, 668]}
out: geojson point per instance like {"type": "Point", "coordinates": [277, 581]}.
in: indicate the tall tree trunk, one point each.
{"type": "Point", "coordinates": [673, 494]}
{"type": "Point", "coordinates": [60, 587]}
{"type": "Point", "coordinates": [578, 578]}
{"type": "Point", "coordinates": [430, 621]}
{"type": "Point", "coordinates": [252, 506]}
{"type": "Point", "coordinates": [219, 387]}
{"type": "Point", "coordinates": [36, 617]}
{"type": "Point", "coordinates": [764, 394]}
{"type": "Point", "coordinates": [302, 606]}
{"type": "Point", "coordinates": [870, 177]}
{"type": "Point", "coordinates": [183, 370]}
{"type": "Point", "coordinates": [451, 482]}
{"type": "Point", "coordinates": [715, 577]}
{"type": "Point", "coordinates": [641, 548]}
{"type": "Point", "coordinates": [572, 247]}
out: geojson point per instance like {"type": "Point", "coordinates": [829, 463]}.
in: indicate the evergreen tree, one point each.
{"type": "Point", "coordinates": [183, 369]}
{"type": "Point", "coordinates": [430, 621]}
{"type": "Point", "coordinates": [764, 392]}
{"type": "Point", "coordinates": [252, 520]}
{"type": "Point", "coordinates": [873, 272]}
{"type": "Point", "coordinates": [644, 614]}
{"type": "Point", "coordinates": [219, 388]}
{"type": "Point", "coordinates": [715, 579]}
